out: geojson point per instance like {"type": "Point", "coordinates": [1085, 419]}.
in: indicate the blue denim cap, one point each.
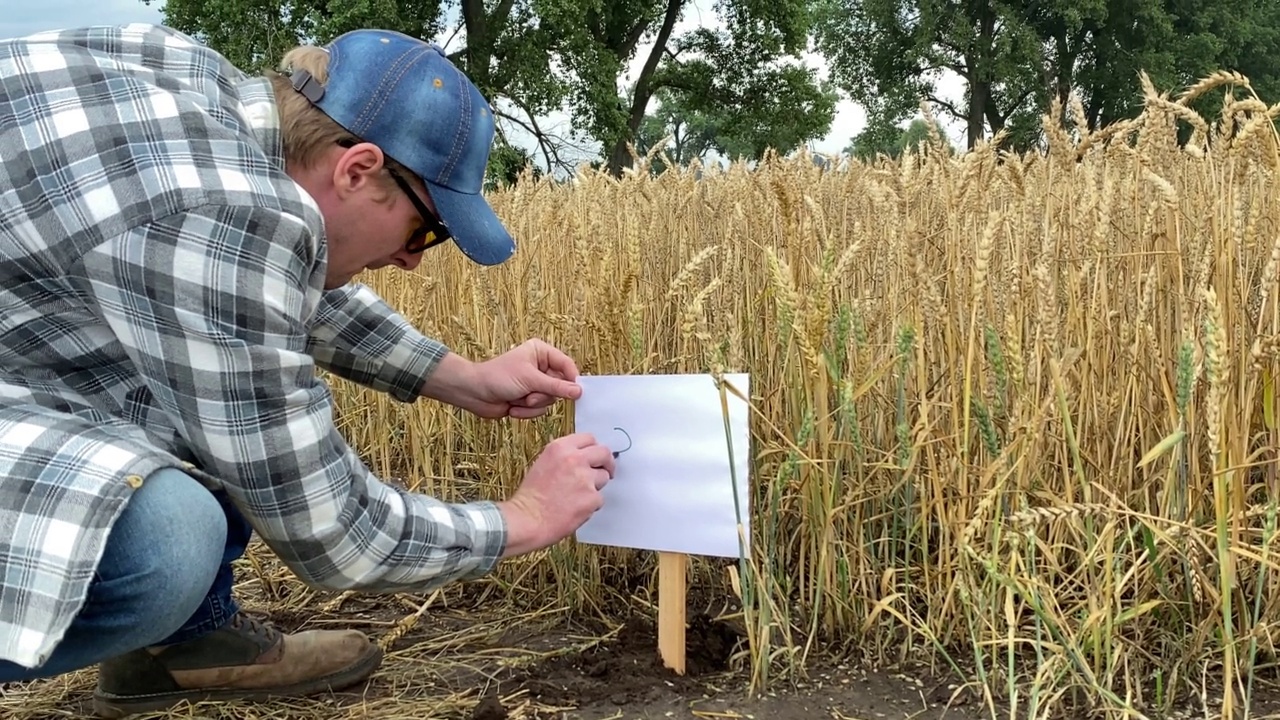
{"type": "Point", "coordinates": [403, 95]}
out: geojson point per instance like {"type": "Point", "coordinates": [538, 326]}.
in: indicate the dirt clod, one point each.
{"type": "Point", "coordinates": [490, 708]}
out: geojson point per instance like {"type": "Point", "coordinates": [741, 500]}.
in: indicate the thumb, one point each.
{"type": "Point", "coordinates": [570, 390]}
{"type": "Point", "coordinates": [534, 400]}
{"type": "Point", "coordinates": [556, 387]}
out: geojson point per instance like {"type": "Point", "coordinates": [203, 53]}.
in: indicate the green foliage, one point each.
{"type": "Point", "coordinates": [754, 96]}
{"type": "Point", "coordinates": [252, 34]}
{"type": "Point", "coordinates": [891, 141]}
{"type": "Point", "coordinates": [332, 18]}
{"type": "Point", "coordinates": [768, 26]}
{"type": "Point", "coordinates": [1241, 35]}
{"type": "Point", "coordinates": [597, 41]}
{"type": "Point", "coordinates": [1015, 57]}
{"type": "Point", "coordinates": [889, 54]}
{"type": "Point", "coordinates": [691, 132]}
{"type": "Point", "coordinates": [743, 102]}
{"type": "Point", "coordinates": [506, 163]}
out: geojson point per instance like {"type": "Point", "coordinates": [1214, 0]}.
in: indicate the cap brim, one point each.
{"type": "Point", "coordinates": [475, 228]}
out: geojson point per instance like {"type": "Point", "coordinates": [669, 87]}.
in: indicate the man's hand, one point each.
{"type": "Point", "coordinates": [521, 383]}
{"type": "Point", "coordinates": [559, 493]}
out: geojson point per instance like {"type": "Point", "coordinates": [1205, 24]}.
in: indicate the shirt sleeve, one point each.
{"type": "Point", "coordinates": [359, 337]}
{"type": "Point", "coordinates": [209, 305]}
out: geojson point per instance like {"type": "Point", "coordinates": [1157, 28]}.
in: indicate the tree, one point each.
{"type": "Point", "coordinates": [891, 141]}
{"type": "Point", "coordinates": [504, 55]}
{"type": "Point", "coordinates": [1016, 56]}
{"type": "Point", "coordinates": [889, 54]}
{"type": "Point", "coordinates": [742, 73]}
{"type": "Point", "coordinates": [538, 56]}
{"type": "Point", "coordinates": [690, 133]}
{"type": "Point", "coordinates": [753, 99]}
{"type": "Point", "coordinates": [737, 114]}
{"type": "Point", "coordinates": [506, 164]}
{"type": "Point", "coordinates": [1097, 50]}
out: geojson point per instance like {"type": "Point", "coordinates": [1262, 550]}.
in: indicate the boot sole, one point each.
{"type": "Point", "coordinates": [106, 705]}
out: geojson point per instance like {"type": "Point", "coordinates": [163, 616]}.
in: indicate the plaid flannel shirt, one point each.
{"type": "Point", "coordinates": [162, 305]}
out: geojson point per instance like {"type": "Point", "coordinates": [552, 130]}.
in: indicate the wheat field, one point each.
{"type": "Point", "coordinates": [1012, 416]}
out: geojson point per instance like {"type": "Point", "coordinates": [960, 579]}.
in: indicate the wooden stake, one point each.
{"type": "Point", "coordinates": [671, 609]}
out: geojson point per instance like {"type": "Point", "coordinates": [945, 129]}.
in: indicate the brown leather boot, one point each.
{"type": "Point", "coordinates": [246, 659]}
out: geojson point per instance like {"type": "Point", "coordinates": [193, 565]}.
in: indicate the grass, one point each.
{"type": "Point", "coordinates": [1012, 417]}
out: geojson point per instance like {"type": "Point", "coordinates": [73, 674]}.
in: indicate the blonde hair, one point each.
{"type": "Point", "coordinates": [307, 132]}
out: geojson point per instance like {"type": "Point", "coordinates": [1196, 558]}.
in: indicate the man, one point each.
{"type": "Point", "coordinates": [177, 241]}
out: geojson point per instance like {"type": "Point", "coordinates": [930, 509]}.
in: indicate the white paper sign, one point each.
{"type": "Point", "coordinates": [673, 490]}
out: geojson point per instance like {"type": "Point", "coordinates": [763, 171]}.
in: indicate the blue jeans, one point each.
{"type": "Point", "coordinates": [165, 576]}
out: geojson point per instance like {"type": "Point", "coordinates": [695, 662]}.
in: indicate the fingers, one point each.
{"type": "Point", "coordinates": [554, 389]}
{"type": "Point", "coordinates": [544, 388]}
{"type": "Point", "coordinates": [579, 440]}
{"type": "Point", "coordinates": [535, 405]}
{"type": "Point", "coordinates": [524, 413]}
{"type": "Point", "coordinates": [596, 454]}
{"type": "Point", "coordinates": [600, 456]}
{"type": "Point", "coordinates": [555, 362]}
{"type": "Point", "coordinates": [550, 390]}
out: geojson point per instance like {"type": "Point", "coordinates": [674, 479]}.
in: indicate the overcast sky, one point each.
{"type": "Point", "coordinates": [22, 17]}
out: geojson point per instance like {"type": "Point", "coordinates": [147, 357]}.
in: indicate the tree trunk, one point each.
{"type": "Point", "coordinates": [979, 96]}
{"type": "Point", "coordinates": [1066, 63]}
{"type": "Point", "coordinates": [979, 63]}
{"type": "Point", "coordinates": [620, 158]}
{"type": "Point", "coordinates": [482, 30]}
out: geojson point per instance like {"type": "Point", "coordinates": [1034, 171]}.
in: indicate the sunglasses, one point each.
{"type": "Point", "coordinates": [432, 232]}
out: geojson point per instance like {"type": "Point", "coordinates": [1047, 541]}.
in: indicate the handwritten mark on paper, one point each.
{"type": "Point", "coordinates": [616, 453]}
{"type": "Point", "coordinates": [684, 487]}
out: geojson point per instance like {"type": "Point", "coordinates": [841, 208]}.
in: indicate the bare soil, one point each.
{"type": "Point", "coordinates": [580, 669]}
{"type": "Point", "coordinates": [472, 658]}
{"type": "Point", "coordinates": [626, 678]}
{"type": "Point", "coordinates": [576, 669]}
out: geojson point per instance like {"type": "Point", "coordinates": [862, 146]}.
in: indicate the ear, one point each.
{"type": "Point", "coordinates": [356, 167]}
